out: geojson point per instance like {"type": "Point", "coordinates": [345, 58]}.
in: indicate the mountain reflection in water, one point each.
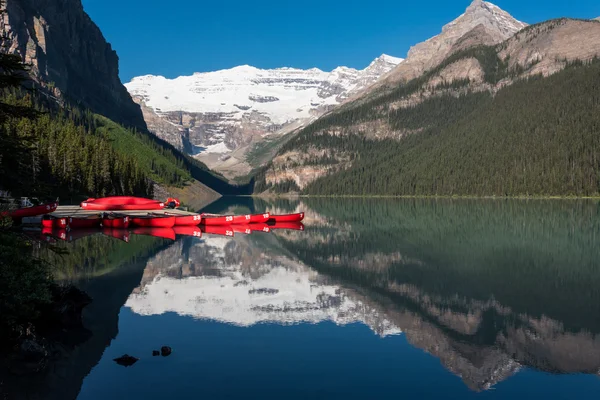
{"type": "Point", "coordinates": [492, 289]}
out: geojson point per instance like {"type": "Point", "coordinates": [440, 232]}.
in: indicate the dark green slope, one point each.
{"type": "Point", "coordinates": [537, 137]}
{"type": "Point", "coordinates": [66, 152]}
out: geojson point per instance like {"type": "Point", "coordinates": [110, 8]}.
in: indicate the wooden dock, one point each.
{"type": "Point", "coordinates": [76, 211]}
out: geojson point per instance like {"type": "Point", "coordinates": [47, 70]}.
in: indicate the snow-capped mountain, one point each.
{"type": "Point", "coordinates": [221, 111]}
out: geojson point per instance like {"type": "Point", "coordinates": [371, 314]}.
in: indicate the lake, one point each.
{"type": "Point", "coordinates": [380, 298]}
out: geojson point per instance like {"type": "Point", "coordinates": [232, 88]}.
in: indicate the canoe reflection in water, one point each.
{"type": "Point", "coordinates": [121, 233]}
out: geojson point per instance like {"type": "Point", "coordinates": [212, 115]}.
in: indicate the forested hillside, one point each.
{"type": "Point", "coordinates": [65, 151]}
{"type": "Point", "coordinates": [540, 136]}
{"type": "Point", "coordinates": [509, 132]}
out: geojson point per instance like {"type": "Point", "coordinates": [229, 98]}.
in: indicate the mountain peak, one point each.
{"type": "Point", "coordinates": [492, 24]}
{"type": "Point", "coordinates": [497, 21]}
{"type": "Point", "coordinates": [389, 59]}
{"type": "Point", "coordinates": [475, 4]}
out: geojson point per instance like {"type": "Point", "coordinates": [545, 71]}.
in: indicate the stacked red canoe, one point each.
{"type": "Point", "coordinates": [122, 203]}
{"type": "Point", "coordinates": [165, 224]}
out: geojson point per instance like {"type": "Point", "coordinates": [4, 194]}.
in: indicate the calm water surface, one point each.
{"type": "Point", "coordinates": [374, 299]}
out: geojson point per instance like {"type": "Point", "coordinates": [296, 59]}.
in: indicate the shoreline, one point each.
{"type": "Point", "coordinates": [306, 196]}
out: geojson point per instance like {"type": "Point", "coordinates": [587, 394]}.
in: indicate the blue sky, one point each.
{"type": "Point", "coordinates": [181, 37]}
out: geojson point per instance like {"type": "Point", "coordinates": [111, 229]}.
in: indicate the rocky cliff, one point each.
{"type": "Point", "coordinates": [481, 23]}
{"type": "Point", "coordinates": [69, 56]}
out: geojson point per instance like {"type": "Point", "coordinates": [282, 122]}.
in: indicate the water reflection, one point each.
{"type": "Point", "coordinates": [233, 280]}
{"type": "Point", "coordinates": [488, 287]}
{"type": "Point", "coordinates": [491, 289]}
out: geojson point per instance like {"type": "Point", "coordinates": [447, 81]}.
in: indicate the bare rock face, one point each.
{"type": "Point", "coordinates": [484, 23]}
{"type": "Point", "coordinates": [467, 68]}
{"type": "Point", "coordinates": [544, 48]}
{"type": "Point", "coordinates": [68, 55]}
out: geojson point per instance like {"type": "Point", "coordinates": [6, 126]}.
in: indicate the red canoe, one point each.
{"type": "Point", "coordinates": [121, 234]}
{"type": "Point", "coordinates": [122, 203]}
{"type": "Point", "coordinates": [184, 220]}
{"type": "Point", "coordinates": [216, 220]}
{"type": "Point", "coordinates": [287, 218]}
{"type": "Point", "coordinates": [53, 222]}
{"type": "Point", "coordinates": [222, 230]}
{"type": "Point", "coordinates": [33, 211]}
{"type": "Point", "coordinates": [153, 221]}
{"type": "Point", "coordinates": [251, 218]}
{"type": "Point", "coordinates": [210, 219]}
{"type": "Point", "coordinates": [84, 222]}
{"type": "Point", "coordinates": [194, 231]}
{"type": "Point", "coordinates": [166, 233]}
{"type": "Point", "coordinates": [296, 226]}
{"type": "Point", "coordinates": [113, 221]}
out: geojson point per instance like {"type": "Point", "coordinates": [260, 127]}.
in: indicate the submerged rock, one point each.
{"type": "Point", "coordinates": [165, 351]}
{"type": "Point", "coordinates": [155, 353]}
{"type": "Point", "coordinates": [126, 360]}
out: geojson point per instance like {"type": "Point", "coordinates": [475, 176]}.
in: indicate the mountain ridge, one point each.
{"type": "Point", "coordinates": [213, 114]}
{"type": "Point", "coordinates": [451, 89]}
{"type": "Point", "coordinates": [496, 23]}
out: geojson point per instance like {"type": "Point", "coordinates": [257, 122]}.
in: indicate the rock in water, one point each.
{"type": "Point", "coordinates": [155, 353]}
{"type": "Point", "coordinates": [165, 351]}
{"type": "Point", "coordinates": [126, 360]}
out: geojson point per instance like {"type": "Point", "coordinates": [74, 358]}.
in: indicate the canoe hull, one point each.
{"type": "Point", "coordinates": [33, 211]}
{"type": "Point", "coordinates": [83, 223]}
{"type": "Point", "coordinates": [117, 222]}
{"type": "Point", "coordinates": [153, 222]}
{"type": "Point", "coordinates": [251, 218]}
{"type": "Point", "coordinates": [184, 220]}
{"type": "Point", "coordinates": [287, 218]}
{"type": "Point", "coordinates": [209, 220]}
{"type": "Point", "coordinates": [188, 220]}
{"type": "Point", "coordinates": [216, 221]}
